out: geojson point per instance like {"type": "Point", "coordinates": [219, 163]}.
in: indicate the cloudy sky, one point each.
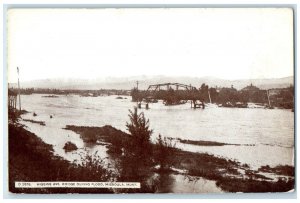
{"type": "Point", "coordinates": [99, 43]}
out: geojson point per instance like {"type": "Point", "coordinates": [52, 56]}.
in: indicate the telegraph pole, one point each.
{"type": "Point", "coordinates": [19, 90]}
{"type": "Point", "coordinates": [139, 105]}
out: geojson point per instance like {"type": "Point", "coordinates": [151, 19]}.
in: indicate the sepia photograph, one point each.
{"type": "Point", "coordinates": [150, 100]}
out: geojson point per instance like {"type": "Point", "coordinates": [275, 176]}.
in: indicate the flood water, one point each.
{"type": "Point", "coordinates": [178, 183]}
{"type": "Point", "coordinates": [265, 136]}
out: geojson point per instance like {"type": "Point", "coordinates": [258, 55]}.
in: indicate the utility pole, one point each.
{"type": "Point", "coordinates": [19, 90]}
{"type": "Point", "coordinates": [138, 96]}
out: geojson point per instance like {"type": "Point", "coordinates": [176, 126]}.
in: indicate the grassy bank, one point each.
{"type": "Point", "coordinates": [30, 159]}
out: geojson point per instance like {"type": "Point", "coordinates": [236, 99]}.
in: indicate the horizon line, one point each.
{"type": "Point", "coordinates": [149, 77]}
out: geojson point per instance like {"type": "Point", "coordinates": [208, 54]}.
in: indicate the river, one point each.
{"type": "Point", "coordinates": [264, 136]}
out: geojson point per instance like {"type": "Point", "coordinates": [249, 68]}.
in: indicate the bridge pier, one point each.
{"type": "Point", "coordinates": [140, 105]}
{"type": "Point", "coordinates": [197, 105]}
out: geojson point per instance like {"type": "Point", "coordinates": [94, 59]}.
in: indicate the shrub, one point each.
{"type": "Point", "coordinates": [69, 146]}
{"type": "Point", "coordinates": [163, 152]}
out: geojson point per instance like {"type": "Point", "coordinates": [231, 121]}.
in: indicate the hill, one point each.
{"type": "Point", "coordinates": [127, 83]}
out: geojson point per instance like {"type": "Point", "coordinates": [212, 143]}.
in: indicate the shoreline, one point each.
{"type": "Point", "coordinates": [31, 159]}
{"type": "Point", "coordinates": [203, 142]}
{"type": "Point", "coordinates": [229, 175]}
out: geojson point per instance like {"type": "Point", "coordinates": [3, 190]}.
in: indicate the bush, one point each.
{"type": "Point", "coordinates": [69, 146]}
{"type": "Point", "coordinates": [91, 167]}
{"type": "Point", "coordinates": [163, 153]}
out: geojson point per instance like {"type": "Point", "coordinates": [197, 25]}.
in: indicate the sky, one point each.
{"type": "Point", "coordinates": [226, 43]}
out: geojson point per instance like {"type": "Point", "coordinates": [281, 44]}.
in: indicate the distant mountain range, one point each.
{"type": "Point", "coordinates": [127, 83]}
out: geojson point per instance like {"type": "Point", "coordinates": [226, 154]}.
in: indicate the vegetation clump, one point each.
{"type": "Point", "coordinates": [280, 170]}
{"type": "Point", "coordinates": [69, 146]}
{"type": "Point", "coordinates": [163, 153]}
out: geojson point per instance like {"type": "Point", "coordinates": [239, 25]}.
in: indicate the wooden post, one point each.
{"type": "Point", "coordinates": [137, 91]}
{"type": "Point", "coordinates": [19, 90]}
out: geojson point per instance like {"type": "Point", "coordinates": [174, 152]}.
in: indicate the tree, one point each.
{"type": "Point", "coordinates": [135, 94]}
{"type": "Point", "coordinates": [140, 132]}
{"type": "Point", "coordinates": [213, 94]}
{"type": "Point", "coordinates": [170, 97]}
{"type": "Point", "coordinates": [137, 158]}
{"type": "Point", "coordinates": [202, 93]}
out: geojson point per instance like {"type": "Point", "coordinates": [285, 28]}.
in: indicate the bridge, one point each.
{"type": "Point", "coordinates": [171, 94]}
{"type": "Point", "coordinates": [170, 85]}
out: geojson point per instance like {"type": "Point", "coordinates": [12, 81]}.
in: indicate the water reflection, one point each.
{"type": "Point", "coordinates": [178, 183]}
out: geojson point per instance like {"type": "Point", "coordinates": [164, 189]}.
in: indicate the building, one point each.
{"type": "Point", "coordinates": [12, 99]}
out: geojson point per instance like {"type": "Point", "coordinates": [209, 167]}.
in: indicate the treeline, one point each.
{"type": "Point", "coordinates": [283, 97]}
{"type": "Point", "coordinates": [100, 92]}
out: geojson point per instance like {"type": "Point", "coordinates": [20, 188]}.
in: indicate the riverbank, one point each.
{"type": "Point", "coordinates": [30, 159]}
{"type": "Point", "coordinates": [230, 176]}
